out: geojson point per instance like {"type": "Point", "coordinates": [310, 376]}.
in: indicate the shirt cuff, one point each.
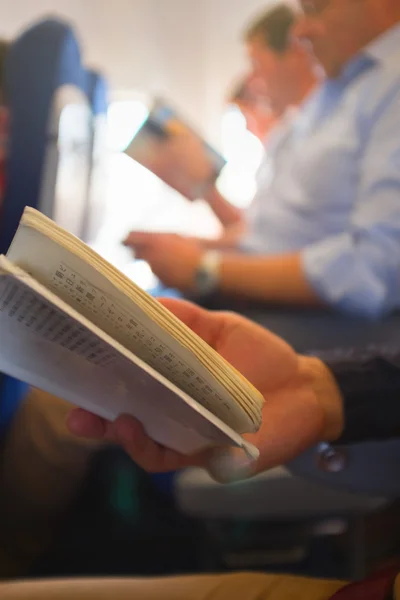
{"type": "Point", "coordinates": [370, 390]}
{"type": "Point", "coordinates": [341, 274]}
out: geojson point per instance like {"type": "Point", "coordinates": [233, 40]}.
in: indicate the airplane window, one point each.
{"type": "Point", "coordinates": [243, 152]}
{"type": "Point", "coordinates": [67, 166]}
{"type": "Point", "coordinates": [137, 199]}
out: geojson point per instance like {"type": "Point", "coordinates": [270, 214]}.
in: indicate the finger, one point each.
{"type": "Point", "coordinates": [293, 421]}
{"type": "Point", "coordinates": [228, 465]}
{"type": "Point", "coordinates": [84, 424]}
{"type": "Point", "coordinates": [149, 455]}
{"type": "Point", "coordinates": [137, 238]}
{"type": "Point", "coordinates": [139, 246]}
{"type": "Point", "coordinates": [142, 253]}
{"type": "Point", "coordinates": [147, 238]}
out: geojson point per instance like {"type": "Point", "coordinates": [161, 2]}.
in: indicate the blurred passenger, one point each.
{"type": "Point", "coordinates": [285, 72]}
{"type": "Point", "coordinates": [324, 230]}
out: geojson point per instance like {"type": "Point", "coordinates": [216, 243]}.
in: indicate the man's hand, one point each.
{"type": "Point", "coordinates": [302, 402]}
{"type": "Point", "coordinates": [277, 279]}
{"type": "Point", "coordinates": [172, 258]}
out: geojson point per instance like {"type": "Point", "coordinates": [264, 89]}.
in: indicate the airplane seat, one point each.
{"type": "Point", "coordinates": [42, 80]}
{"type": "Point", "coordinates": [97, 92]}
{"type": "Point", "coordinates": [41, 63]}
{"type": "Point", "coordinates": [4, 122]}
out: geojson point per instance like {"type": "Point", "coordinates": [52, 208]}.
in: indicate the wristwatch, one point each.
{"type": "Point", "coordinates": [207, 274]}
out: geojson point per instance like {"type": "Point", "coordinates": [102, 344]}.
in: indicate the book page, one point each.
{"type": "Point", "coordinates": [50, 346]}
{"type": "Point", "coordinates": [95, 297]}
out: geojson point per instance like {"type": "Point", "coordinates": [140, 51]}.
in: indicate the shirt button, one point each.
{"type": "Point", "coordinates": [331, 460]}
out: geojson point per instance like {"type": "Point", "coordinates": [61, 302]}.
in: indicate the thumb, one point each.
{"type": "Point", "coordinates": [137, 238]}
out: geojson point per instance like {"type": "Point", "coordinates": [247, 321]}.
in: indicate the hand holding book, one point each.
{"type": "Point", "coordinates": [302, 405]}
{"type": "Point", "coordinates": [74, 326]}
{"type": "Point", "coordinates": [167, 381]}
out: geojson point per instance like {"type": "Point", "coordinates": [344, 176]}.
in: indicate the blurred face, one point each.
{"type": "Point", "coordinates": [274, 70]}
{"type": "Point", "coordinates": [335, 30]}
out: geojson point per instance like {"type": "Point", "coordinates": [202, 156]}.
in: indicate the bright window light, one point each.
{"type": "Point", "coordinates": [141, 274]}
{"type": "Point", "coordinates": [243, 152]}
{"type": "Point", "coordinates": [124, 120]}
{"type": "Point", "coordinates": [137, 200]}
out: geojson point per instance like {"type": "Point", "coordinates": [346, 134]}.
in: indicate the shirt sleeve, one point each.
{"type": "Point", "coordinates": [358, 271]}
{"type": "Point", "coordinates": [370, 387]}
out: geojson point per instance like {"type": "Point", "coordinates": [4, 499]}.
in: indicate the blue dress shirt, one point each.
{"type": "Point", "coordinates": [330, 185]}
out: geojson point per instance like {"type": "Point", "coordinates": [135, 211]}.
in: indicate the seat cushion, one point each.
{"type": "Point", "coordinates": [273, 495]}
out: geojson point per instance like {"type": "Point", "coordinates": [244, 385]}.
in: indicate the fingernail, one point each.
{"type": "Point", "coordinates": [227, 468]}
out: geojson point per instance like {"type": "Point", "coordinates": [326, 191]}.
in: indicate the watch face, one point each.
{"type": "Point", "coordinates": [204, 281]}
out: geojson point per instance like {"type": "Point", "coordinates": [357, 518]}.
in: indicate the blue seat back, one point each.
{"type": "Point", "coordinates": [97, 92]}
{"type": "Point", "coordinates": [39, 62]}
{"type": "Point", "coordinates": [43, 59]}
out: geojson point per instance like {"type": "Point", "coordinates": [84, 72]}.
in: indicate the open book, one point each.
{"type": "Point", "coordinates": [172, 150]}
{"type": "Point", "coordinates": [74, 326]}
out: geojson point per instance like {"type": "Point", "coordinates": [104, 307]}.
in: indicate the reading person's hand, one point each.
{"type": "Point", "coordinates": [172, 258]}
{"type": "Point", "coordinates": [302, 403]}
